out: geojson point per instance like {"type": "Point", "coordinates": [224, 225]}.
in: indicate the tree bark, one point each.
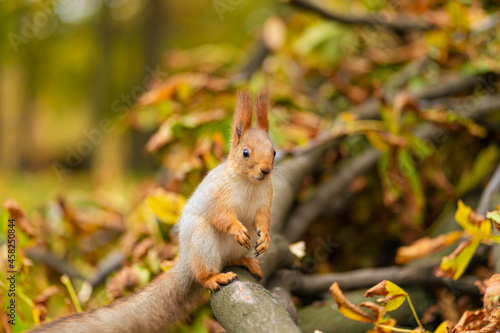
{"type": "Point", "coordinates": [245, 306]}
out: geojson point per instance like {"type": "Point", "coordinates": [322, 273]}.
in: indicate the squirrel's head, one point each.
{"type": "Point", "coordinates": [252, 152]}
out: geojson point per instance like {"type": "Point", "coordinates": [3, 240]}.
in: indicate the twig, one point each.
{"type": "Point", "coordinates": [486, 203]}
{"type": "Point", "coordinates": [58, 265]}
{"type": "Point", "coordinates": [314, 284]}
{"type": "Point", "coordinates": [400, 24]}
{"type": "Point", "coordinates": [111, 263]}
{"type": "Point", "coordinates": [369, 109]}
{"type": "Point", "coordinates": [253, 63]}
{"type": "Point", "coordinates": [302, 217]}
{"type": "Point", "coordinates": [493, 188]}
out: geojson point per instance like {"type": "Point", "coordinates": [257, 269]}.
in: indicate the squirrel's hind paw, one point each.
{"type": "Point", "coordinates": [214, 282]}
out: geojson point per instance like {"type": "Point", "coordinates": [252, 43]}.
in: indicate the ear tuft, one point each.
{"type": "Point", "coordinates": [262, 107]}
{"type": "Point", "coordinates": [242, 116]}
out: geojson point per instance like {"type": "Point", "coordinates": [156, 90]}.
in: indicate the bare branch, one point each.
{"type": "Point", "coordinates": [363, 278]}
{"type": "Point", "coordinates": [399, 24]}
{"type": "Point", "coordinates": [302, 217]}
{"type": "Point", "coordinates": [489, 200]}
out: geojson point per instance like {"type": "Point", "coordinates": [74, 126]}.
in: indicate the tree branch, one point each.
{"type": "Point", "coordinates": [281, 293]}
{"type": "Point", "coordinates": [245, 306]}
{"type": "Point", "coordinates": [488, 201]}
{"type": "Point", "coordinates": [302, 217]}
{"type": "Point", "coordinates": [422, 275]}
{"type": "Point", "coordinates": [253, 63]}
{"type": "Point", "coordinates": [399, 24]}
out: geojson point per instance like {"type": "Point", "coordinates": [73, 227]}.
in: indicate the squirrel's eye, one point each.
{"type": "Point", "coordinates": [246, 153]}
{"type": "Point", "coordinates": [275, 153]}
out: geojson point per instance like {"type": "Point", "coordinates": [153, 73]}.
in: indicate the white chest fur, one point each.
{"type": "Point", "coordinates": [251, 197]}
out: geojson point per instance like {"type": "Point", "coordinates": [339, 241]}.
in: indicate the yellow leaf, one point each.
{"type": "Point", "coordinates": [167, 206]}
{"type": "Point", "coordinates": [442, 327]}
{"type": "Point", "coordinates": [377, 142]}
{"type": "Point", "coordinates": [396, 296]}
{"type": "Point", "coordinates": [462, 217]}
{"type": "Point", "coordinates": [456, 263]}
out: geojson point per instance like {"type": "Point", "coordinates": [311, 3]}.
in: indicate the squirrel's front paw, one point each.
{"type": "Point", "coordinates": [240, 234]}
{"type": "Point", "coordinates": [263, 242]}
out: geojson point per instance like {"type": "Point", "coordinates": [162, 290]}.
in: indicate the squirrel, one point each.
{"type": "Point", "coordinates": [229, 210]}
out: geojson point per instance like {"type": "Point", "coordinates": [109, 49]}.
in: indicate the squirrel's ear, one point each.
{"type": "Point", "coordinates": [242, 116]}
{"type": "Point", "coordinates": [262, 106]}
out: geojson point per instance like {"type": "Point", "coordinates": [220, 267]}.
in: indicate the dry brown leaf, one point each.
{"type": "Point", "coordinates": [378, 289]}
{"type": "Point", "coordinates": [491, 297]}
{"type": "Point", "coordinates": [167, 251]}
{"type": "Point", "coordinates": [354, 93]}
{"type": "Point", "coordinates": [17, 213]}
{"type": "Point", "coordinates": [126, 278]}
{"type": "Point", "coordinates": [404, 100]}
{"type": "Point", "coordinates": [4, 319]}
{"type": "Point", "coordinates": [378, 311]}
{"type": "Point", "coordinates": [40, 302]}
{"type": "Point", "coordinates": [494, 323]}
{"type": "Point", "coordinates": [426, 246]}
{"type": "Point", "coordinates": [194, 119]}
{"type": "Point", "coordinates": [476, 218]}
{"type": "Point", "coordinates": [162, 136]}
{"type": "Point", "coordinates": [166, 90]}
{"type": "Point", "coordinates": [141, 249]}
{"type": "Point", "coordinates": [389, 298]}
{"type": "Point", "coordinates": [347, 308]}
{"type": "Point", "coordinates": [400, 54]}
{"type": "Point", "coordinates": [470, 320]}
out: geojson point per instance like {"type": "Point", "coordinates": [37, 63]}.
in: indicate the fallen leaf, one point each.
{"type": "Point", "coordinates": [125, 279]}
{"type": "Point", "coordinates": [378, 312]}
{"type": "Point", "coordinates": [395, 295]}
{"type": "Point", "coordinates": [347, 308]}
{"type": "Point", "coordinates": [141, 249]}
{"type": "Point", "coordinates": [494, 216]}
{"type": "Point", "coordinates": [454, 265]}
{"type": "Point", "coordinates": [426, 246]}
{"type": "Point", "coordinates": [491, 297]}
{"type": "Point", "coordinates": [17, 213]}
{"type": "Point", "coordinates": [167, 206]}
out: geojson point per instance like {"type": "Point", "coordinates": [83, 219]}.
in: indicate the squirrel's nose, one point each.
{"type": "Point", "coordinates": [265, 170]}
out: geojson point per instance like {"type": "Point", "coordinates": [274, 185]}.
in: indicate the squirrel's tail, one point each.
{"type": "Point", "coordinates": [165, 301]}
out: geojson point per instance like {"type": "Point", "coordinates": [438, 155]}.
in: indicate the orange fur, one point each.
{"type": "Point", "coordinates": [224, 218]}
{"type": "Point", "coordinates": [262, 106]}
{"type": "Point", "coordinates": [242, 116]}
{"type": "Point", "coordinates": [251, 264]}
{"type": "Point", "coordinates": [263, 223]}
{"type": "Point", "coordinates": [213, 282]}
